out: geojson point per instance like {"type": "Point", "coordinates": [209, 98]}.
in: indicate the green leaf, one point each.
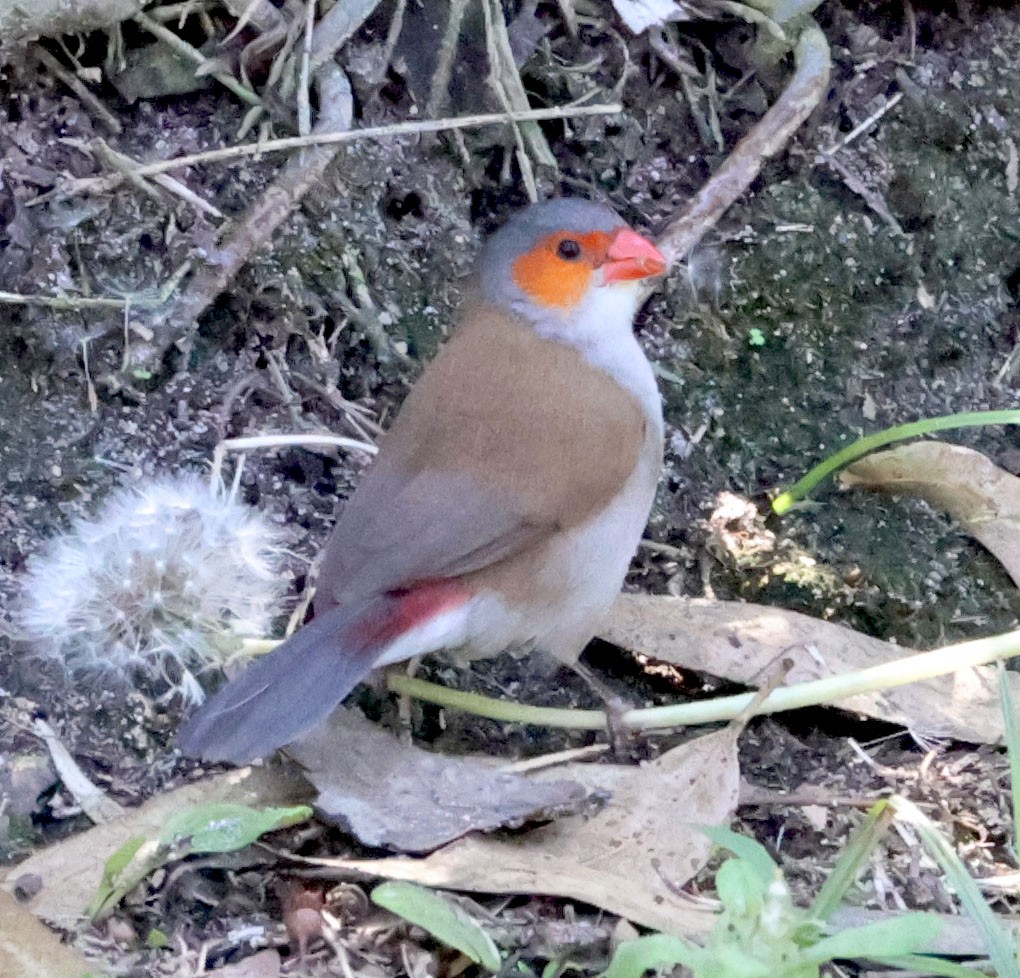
{"type": "Point", "coordinates": [123, 871]}
{"type": "Point", "coordinates": [740, 889]}
{"type": "Point", "coordinates": [903, 934]}
{"type": "Point", "coordinates": [226, 827]}
{"type": "Point", "coordinates": [115, 866]}
{"type": "Point", "coordinates": [445, 921]}
{"type": "Point", "coordinates": [633, 958]}
{"type": "Point", "coordinates": [753, 852]}
{"type": "Point", "coordinates": [157, 939]}
{"type": "Point", "coordinates": [205, 828]}
{"type": "Point", "coordinates": [730, 960]}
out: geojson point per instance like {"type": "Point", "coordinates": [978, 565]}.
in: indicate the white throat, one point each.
{"type": "Point", "coordinates": [601, 326]}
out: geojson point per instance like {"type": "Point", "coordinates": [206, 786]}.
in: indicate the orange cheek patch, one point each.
{"type": "Point", "coordinates": [549, 280]}
{"type": "Point", "coordinates": [554, 281]}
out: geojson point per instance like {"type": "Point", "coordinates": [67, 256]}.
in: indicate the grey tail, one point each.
{"type": "Point", "coordinates": [285, 693]}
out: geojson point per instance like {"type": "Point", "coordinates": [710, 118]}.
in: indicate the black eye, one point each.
{"type": "Point", "coordinates": [568, 249]}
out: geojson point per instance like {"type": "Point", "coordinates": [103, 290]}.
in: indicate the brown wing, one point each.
{"type": "Point", "coordinates": [505, 440]}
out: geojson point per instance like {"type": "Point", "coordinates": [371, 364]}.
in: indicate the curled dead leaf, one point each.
{"type": "Point", "coordinates": [630, 857]}
{"type": "Point", "coordinates": [966, 484]}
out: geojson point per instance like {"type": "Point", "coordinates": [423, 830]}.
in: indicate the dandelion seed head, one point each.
{"type": "Point", "coordinates": [165, 580]}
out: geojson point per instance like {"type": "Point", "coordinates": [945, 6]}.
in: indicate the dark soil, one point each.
{"type": "Point", "coordinates": [809, 317]}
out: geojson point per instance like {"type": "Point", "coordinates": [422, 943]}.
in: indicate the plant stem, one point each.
{"type": "Point", "coordinates": [911, 668]}
{"type": "Point", "coordinates": [858, 449]}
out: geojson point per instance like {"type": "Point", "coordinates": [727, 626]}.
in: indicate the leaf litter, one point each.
{"type": "Point", "coordinates": [392, 795]}
{"type": "Point", "coordinates": [96, 857]}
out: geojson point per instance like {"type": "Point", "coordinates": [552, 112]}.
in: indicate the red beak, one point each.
{"type": "Point", "coordinates": [632, 257]}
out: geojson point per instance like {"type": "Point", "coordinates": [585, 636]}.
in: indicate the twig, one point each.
{"type": "Point", "coordinates": [277, 368]}
{"type": "Point", "coordinates": [865, 125]}
{"type": "Point", "coordinates": [439, 90]}
{"type": "Point", "coordinates": [544, 761]}
{"type": "Point", "coordinates": [261, 13]}
{"type": "Point", "coordinates": [78, 303]}
{"type": "Point", "coordinates": [662, 549]}
{"type": "Point", "coordinates": [746, 12]}
{"type": "Point", "coordinates": [869, 195]}
{"type": "Point", "coordinates": [806, 89]}
{"type": "Point", "coordinates": [231, 153]}
{"type": "Point", "coordinates": [85, 96]}
{"type": "Point", "coordinates": [196, 57]}
{"type": "Point", "coordinates": [338, 27]}
{"type": "Point", "coordinates": [304, 108]}
{"type": "Point", "coordinates": [505, 82]}
{"type": "Point", "coordinates": [263, 218]}
{"type": "Point", "coordinates": [124, 166]}
{"type": "Point", "coordinates": [71, 303]}
{"type": "Point", "coordinates": [129, 168]}
{"type": "Point", "coordinates": [281, 441]}
{"type": "Point", "coordinates": [357, 415]}
{"type": "Point", "coordinates": [392, 38]}
{"type": "Point", "coordinates": [174, 186]}
{"type": "Point", "coordinates": [180, 11]}
{"type": "Point", "coordinates": [360, 308]}
{"type": "Point", "coordinates": [95, 803]}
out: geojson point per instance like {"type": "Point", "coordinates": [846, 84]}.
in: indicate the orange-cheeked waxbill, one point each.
{"type": "Point", "coordinates": [506, 501]}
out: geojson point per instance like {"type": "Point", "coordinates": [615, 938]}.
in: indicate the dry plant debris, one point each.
{"type": "Point", "coordinates": [151, 409]}
{"type": "Point", "coordinates": [392, 795]}
{"type": "Point", "coordinates": [28, 949]}
{"type": "Point", "coordinates": [632, 857]}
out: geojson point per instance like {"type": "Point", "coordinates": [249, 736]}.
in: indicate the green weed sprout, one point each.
{"type": "Point", "coordinates": [869, 443]}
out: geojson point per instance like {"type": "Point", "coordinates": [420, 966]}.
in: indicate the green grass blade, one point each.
{"type": "Point", "coordinates": [441, 917]}
{"type": "Point", "coordinates": [852, 860]}
{"type": "Point", "coordinates": [924, 965]}
{"type": "Point", "coordinates": [1012, 725]}
{"type": "Point", "coordinates": [997, 941]}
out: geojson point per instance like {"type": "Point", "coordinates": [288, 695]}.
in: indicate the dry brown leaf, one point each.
{"type": "Point", "coordinates": [392, 795]}
{"type": "Point", "coordinates": [630, 857]}
{"type": "Point", "coordinates": [28, 949]}
{"type": "Point", "coordinates": [970, 487]}
{"type": "Point", "coordinates": [264, 964]}
{"type": "Point", "coordinates": [744, 643]}
{"type": "Point", "coordinates": [72, 869]}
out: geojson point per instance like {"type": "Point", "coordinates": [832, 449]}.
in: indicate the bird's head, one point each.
{"type": "Point", "coordinates": [565, 260]}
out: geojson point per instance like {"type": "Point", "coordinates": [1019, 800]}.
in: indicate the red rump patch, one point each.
{"type": "Point", "coordinates": [407, 608]}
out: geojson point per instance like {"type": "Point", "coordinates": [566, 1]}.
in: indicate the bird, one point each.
{"type": "Point", "coordinates": [506, 500]}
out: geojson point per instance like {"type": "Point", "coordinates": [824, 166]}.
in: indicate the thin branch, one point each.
{"type": "Point", "coordinates": [196, 57]}
{"type": "Point", "coordinates": [85, 96]}
{"type": "Point", "coordinates": [806, 89]}
{"type": "Point", "coordinates": [230, 153]}
{"type": "Point", "coordinates": [304, 105]}
{"type": "Point", "coordinates": [73, 303]}
{"type": "Point", "coordinates": [260, 222]}
{"type": "Point", "coordinates": [338, 27]}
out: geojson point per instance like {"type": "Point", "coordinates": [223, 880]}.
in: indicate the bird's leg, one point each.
{"type": "Point", "coordinates": [622, 740]}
